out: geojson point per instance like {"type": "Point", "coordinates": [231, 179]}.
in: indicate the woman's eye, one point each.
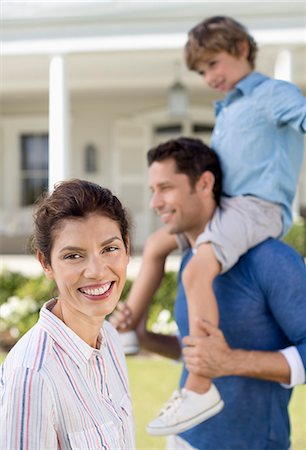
{"type": "Point", "coordinates": [72, 256]}
{"type": "Point", "coordinates": [111, 249]}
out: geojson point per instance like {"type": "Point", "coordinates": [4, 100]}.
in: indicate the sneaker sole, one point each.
{"type": "Point", "coordinates": [130, 350]}
{"type": "Point", "coordinates": [187, 424]}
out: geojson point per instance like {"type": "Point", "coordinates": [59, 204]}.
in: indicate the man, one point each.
{"type": "Point", "coordinates": [259, 351]}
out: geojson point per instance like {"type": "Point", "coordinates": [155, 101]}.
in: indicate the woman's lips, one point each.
{"type": "Point", "coordinates": [97, 292]}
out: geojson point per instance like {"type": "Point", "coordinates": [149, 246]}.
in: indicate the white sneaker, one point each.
{"type": "Point", "coordinates": [184, 410]}
{"type": "Point", "coordinates": [129, 342]}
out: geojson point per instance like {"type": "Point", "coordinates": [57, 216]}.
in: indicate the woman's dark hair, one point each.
{"type": "Point", "coordinates": [74, 199]}
{"type": "Point", "coordinates": [192, 157]}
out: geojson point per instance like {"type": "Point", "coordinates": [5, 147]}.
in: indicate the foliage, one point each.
{"type": "Point", "coordinates": [162, 300]}
{"type": "Point", "coordinates": [296, 237]}
{"type": "Point", "coordinates": [10, 282]}
{"type": "Point", "coordinates": [21, 300]}
{"type": "Point", "coordinates": [17, 316]}
{"type": "Point", "coordinates": [39, 288]}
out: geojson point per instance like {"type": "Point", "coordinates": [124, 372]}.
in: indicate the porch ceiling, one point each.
{"type": "Point", "coordinates": [150, 69]}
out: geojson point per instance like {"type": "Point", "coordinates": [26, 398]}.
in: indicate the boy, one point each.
{"type": "Point", "coordinates": [258, 138]}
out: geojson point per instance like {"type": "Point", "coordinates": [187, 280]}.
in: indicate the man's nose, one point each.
{"type": "Point", "coordinates": [156, 200]}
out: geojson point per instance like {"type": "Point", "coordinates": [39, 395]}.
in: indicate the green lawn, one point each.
{"type": "Point", "coordinates": [153, 379]}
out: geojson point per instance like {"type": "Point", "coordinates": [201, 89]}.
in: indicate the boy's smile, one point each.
{"type": "Point", "coordinates": [222, 71]}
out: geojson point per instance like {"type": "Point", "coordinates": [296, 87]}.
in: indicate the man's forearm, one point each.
{"type": "Point", "coordinates": [161, 344]}
{"type": "Point", "coordinates": [271, 366]}
{"type": "Point", "coordinates": [210, 356]}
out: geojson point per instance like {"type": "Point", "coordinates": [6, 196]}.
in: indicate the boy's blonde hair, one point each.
{"type": "Point", "coordinates": [216, 34]}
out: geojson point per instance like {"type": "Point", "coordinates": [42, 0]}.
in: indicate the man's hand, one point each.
{"type": "Point", "coordinates": [208, 356]}
{"type": "Point", "coordinates": [121, 318]}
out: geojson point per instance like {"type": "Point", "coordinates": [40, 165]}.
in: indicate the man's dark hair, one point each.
{"type": "Point", "coordinates": [192, 157]}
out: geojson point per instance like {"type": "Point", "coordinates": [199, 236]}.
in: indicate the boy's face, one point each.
{"type": "Point", "coordinates": [222, 71]}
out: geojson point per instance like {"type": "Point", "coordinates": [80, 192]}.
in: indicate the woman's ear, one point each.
{"type": "Point", "coordinates": [128, 246]}
{"type": "Point", "coordinates": [45, 266]}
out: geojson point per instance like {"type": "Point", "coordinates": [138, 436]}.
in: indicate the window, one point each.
{"type": "Point", "coordinates": [201, 128]}
{"type": "Point", "coordinates": [174, 129]}
{"type": "Point", "coordinates": [34, 167]}
{"type": "Point", "coordinates": [91, 158]}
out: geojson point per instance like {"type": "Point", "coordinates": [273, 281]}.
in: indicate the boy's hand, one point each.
{"type": "Point", "coordinates": [121, 318]}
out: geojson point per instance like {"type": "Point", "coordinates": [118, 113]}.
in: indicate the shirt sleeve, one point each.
{"type": "Point", "coordinates": [297, 371]}
{"type": "Point", "coordinates": [287, 105]}
{"type": "Point", "coordinates": [27, 420]}
{"type": "Point", "coordinates": [284, 285]}
{"type": "Point", "coordinates": [182, 242]}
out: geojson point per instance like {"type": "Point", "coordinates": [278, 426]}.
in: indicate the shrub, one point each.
{"type": "Point", "coordinates": [21, 300]}
{"type": "Point", "coordinates": [10, 282]}
{"type": "Point", "coordinates": [162, 300]}
{"type": "Point", "coordinates": [296, 237]}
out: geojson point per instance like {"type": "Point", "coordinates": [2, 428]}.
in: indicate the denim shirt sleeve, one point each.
{"type": "Point", "coordinates": [286, 105]}
{"type": "Point", "coordinates": [284, 286]}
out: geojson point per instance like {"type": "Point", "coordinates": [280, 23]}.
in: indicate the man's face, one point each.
{"type": "Point", "coordinates": [222, 71]}
{"type": "Point", "coordinates": [174, 200]}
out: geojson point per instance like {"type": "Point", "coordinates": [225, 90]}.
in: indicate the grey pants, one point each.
{"type": "Point", "coordinates": [238, 225]}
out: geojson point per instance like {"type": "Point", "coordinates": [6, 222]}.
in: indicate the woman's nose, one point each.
{"type": "Point", "coordinates": [95, 267]}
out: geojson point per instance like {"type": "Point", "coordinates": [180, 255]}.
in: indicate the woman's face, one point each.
{"type": "Point", "coordinates": [88, 263]}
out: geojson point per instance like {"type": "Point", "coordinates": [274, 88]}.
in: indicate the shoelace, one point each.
{"type": "Point", "coordinates": [173, 404]}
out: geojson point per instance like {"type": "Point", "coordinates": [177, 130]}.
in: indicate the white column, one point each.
{"type": "Point", "coordinates": [59, 132]}
{"type": "Point", "coordinates": [283, 71]}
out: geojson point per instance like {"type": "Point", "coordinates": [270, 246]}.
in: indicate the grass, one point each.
{"type": "Point", "coordinates": [153, 379]}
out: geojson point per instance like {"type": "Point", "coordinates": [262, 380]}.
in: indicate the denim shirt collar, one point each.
{"type": "Point", "coordinates": [243, 87]}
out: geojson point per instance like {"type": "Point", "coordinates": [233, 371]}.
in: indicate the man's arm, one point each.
{"type": "Point", "coordinates": [158, 246]}
{"type": "Point", "coordinates": [211, 357]}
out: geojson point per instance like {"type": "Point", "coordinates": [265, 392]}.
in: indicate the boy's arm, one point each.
{"type": "Point", "coordinates": [288, 105]}
{"type": "Point", "coordinates": [158, 246]}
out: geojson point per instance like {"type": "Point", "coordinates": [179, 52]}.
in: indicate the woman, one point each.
{"type": "Point", "coordinates": [64, 384]}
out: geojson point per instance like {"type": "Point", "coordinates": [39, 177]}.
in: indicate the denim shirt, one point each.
{"type": "Point", "coordinates": [262, 306]}
{"type": "Point", "coordinates": [259, 139]}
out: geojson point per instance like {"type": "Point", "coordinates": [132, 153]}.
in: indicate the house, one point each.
{"type": "Point", "coordinates": [101, 76]}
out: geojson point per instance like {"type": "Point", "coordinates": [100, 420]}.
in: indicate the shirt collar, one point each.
{"type": "Point", "coordinates": [243, 87]}
{"type": "Point", "coordinates": [77, 349]}
{"type": "Point", "coordinates": [248, 84]}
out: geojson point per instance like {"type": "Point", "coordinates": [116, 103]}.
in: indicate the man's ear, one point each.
{"type": "Point", "coordinates": [206, 182]}
{"type": "Point", "coordinates": [45, 266]}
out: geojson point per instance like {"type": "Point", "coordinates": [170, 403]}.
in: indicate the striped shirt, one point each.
{"type": "Point", "coordinates": [57, 392]}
